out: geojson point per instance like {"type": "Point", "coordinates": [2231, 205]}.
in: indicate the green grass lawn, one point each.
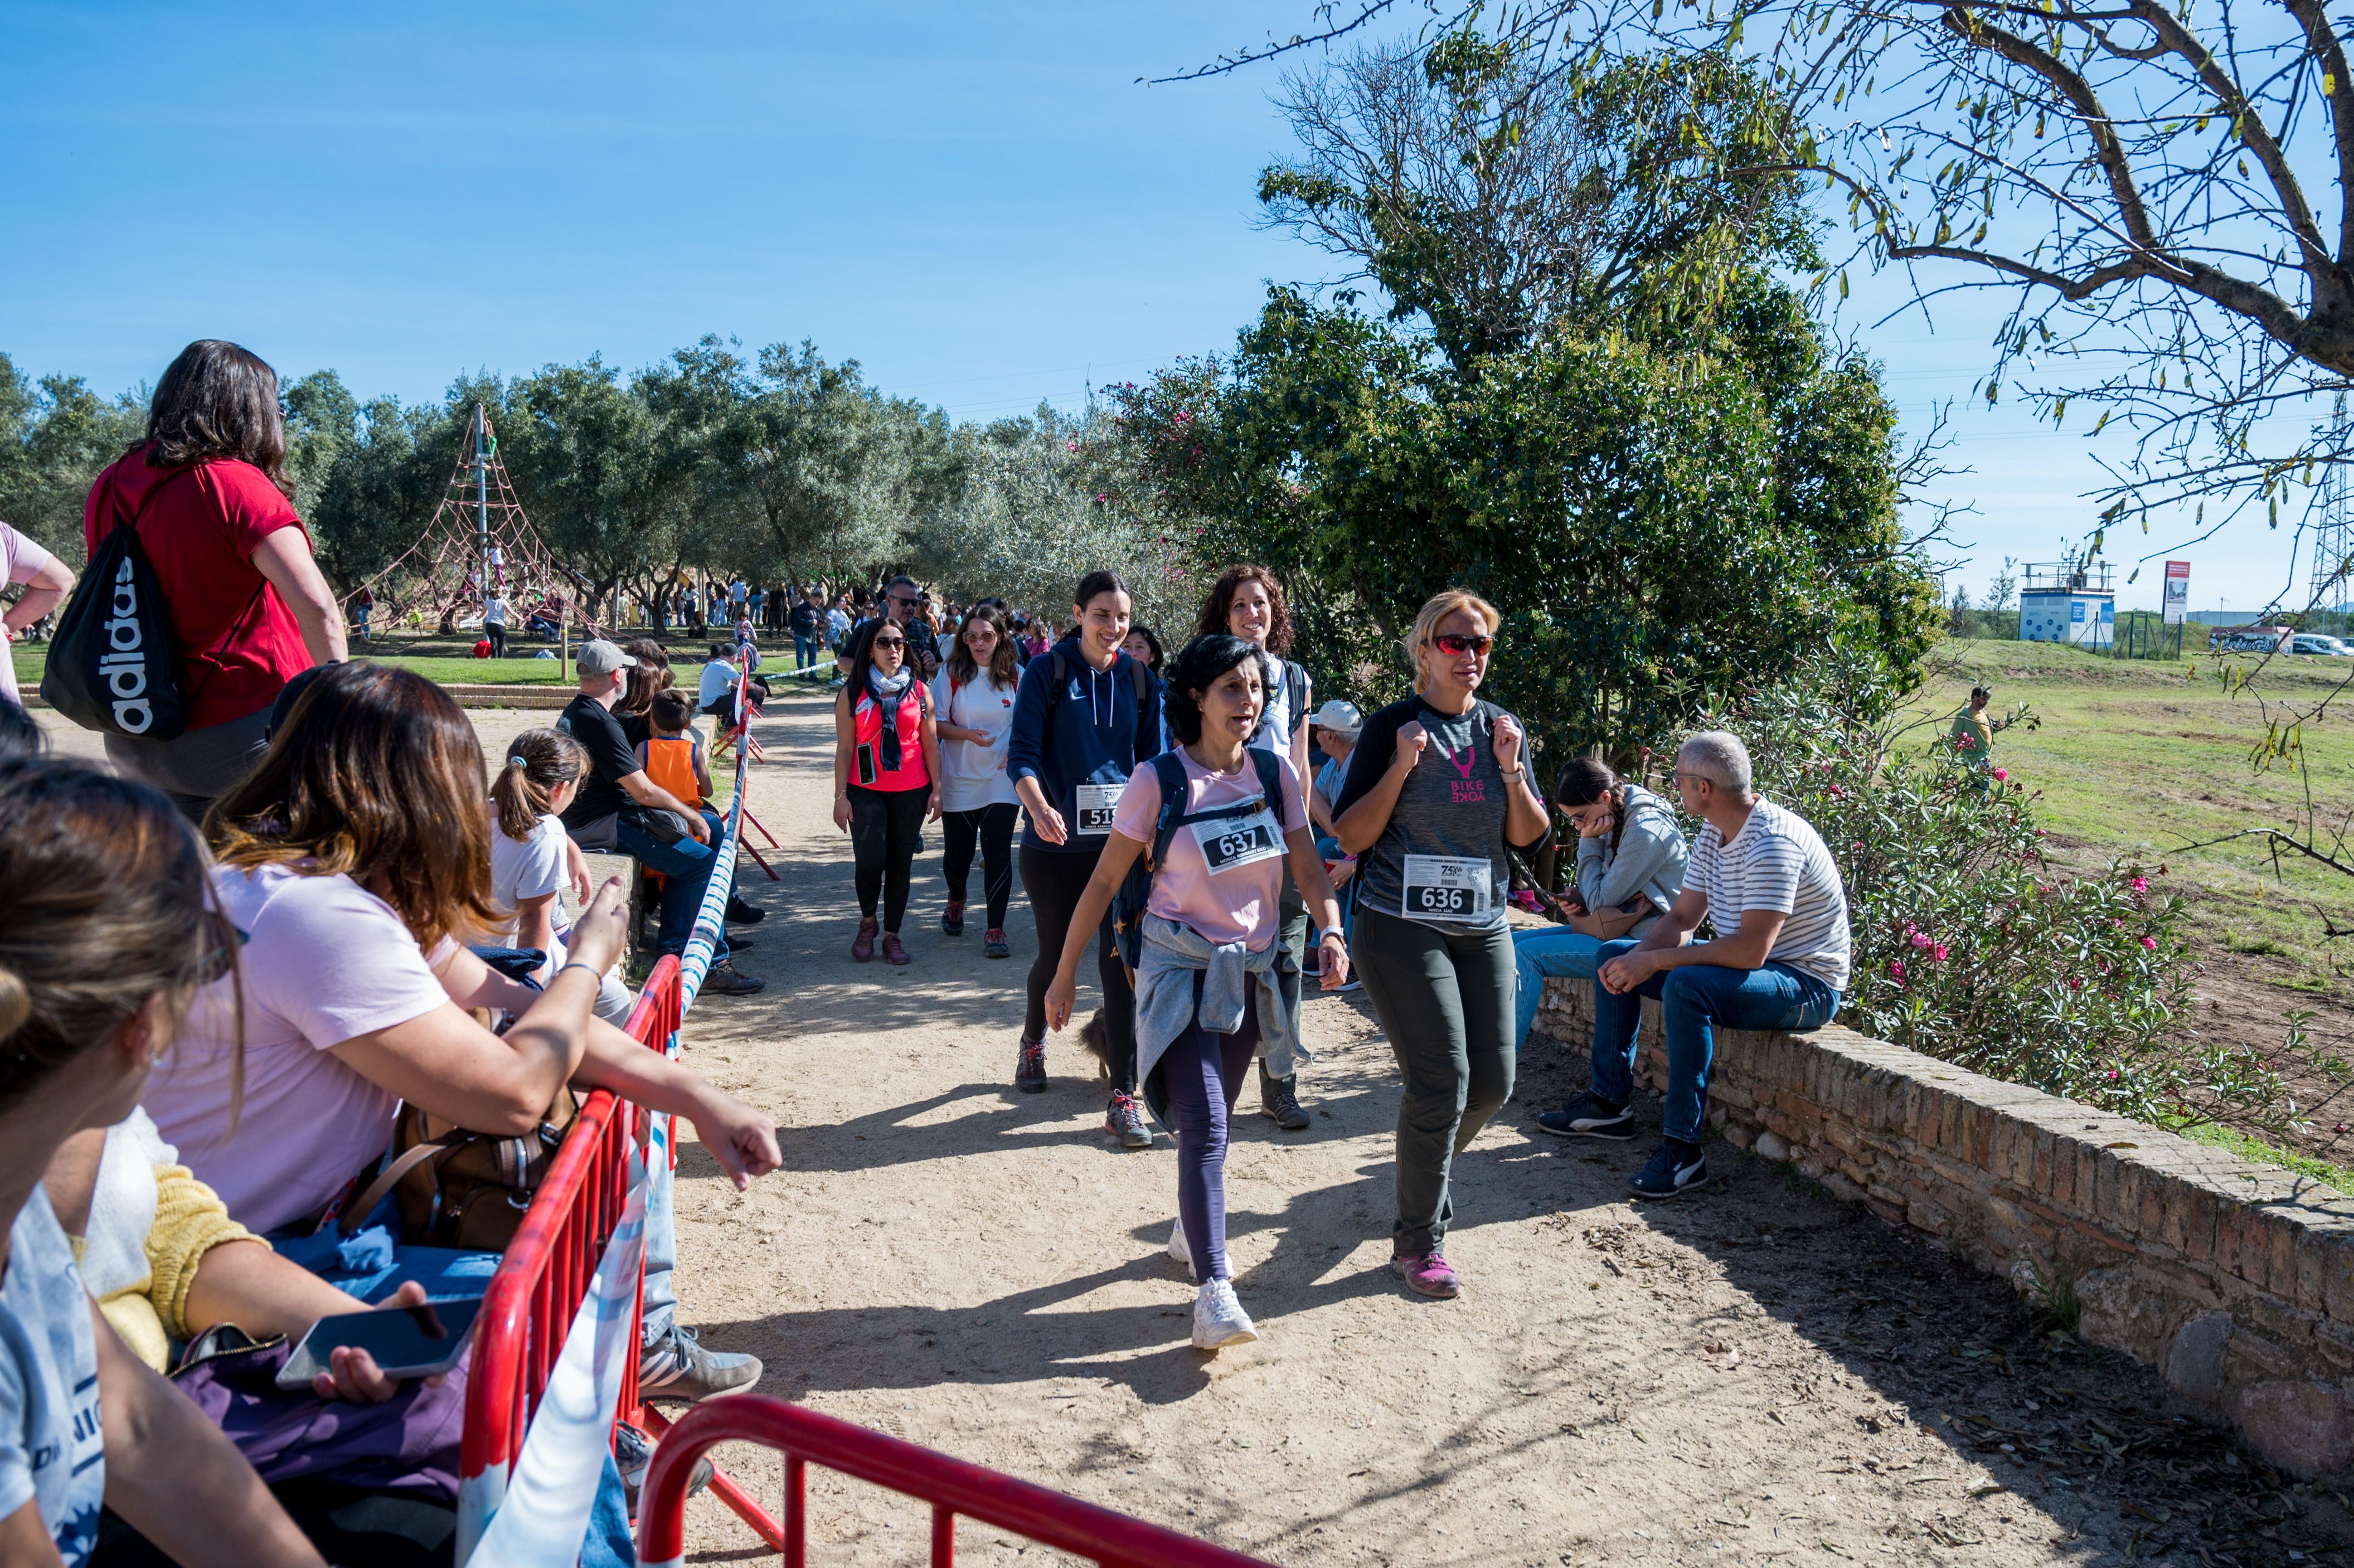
{"type": "Point", "coordinates": [2139, 758]}
{"type": "Point", "coordinates": [446, 660]}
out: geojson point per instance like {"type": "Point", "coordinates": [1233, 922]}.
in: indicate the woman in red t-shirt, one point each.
{"type": "Point", "coordinates": [248, 607]}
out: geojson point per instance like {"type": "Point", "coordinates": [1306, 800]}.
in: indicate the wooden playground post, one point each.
{"type": "Point", "coordinates": [564, 642]}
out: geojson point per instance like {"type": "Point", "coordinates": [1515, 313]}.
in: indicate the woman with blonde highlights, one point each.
{"type": "Point", "coordinates": [1437, 788]}
{"type": "Point", "coordinates": [355, 861]}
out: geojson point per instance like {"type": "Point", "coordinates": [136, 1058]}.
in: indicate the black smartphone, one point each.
{"type": "Point", "coordinates": [867, 770]}
{"type": "Point", "coordinates": [405, 1341]}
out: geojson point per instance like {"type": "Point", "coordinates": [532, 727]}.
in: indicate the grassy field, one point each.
{"type": "Point", "coordinates": [2140, 759]}
{"type": "Point", "coordinates": [448, 661]}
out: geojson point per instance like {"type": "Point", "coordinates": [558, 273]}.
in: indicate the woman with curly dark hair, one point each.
{"type": "Point", "coordinates": [1247, 602]}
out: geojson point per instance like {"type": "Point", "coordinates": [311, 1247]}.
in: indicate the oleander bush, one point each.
{"type": "Point", "coordinates": [1969, 945]}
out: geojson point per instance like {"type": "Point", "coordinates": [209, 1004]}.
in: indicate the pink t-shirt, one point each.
{"type": "Point", "coordinates": [1237, 901]}
{"type": "Point", "coordinates": [324, 961]}
{"type": "Point", "coordinates": [19, 559]}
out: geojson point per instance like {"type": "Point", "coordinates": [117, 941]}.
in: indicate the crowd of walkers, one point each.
{"type": "Point", "coordinates": [253, 969]}
{"type": "Point", "coordinates": [1190, 816]}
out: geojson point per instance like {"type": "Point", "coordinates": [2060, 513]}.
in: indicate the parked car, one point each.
{"type": "Point", "coordinates": [2318, 642]}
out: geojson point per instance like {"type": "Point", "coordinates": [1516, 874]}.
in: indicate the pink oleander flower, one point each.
{"type": "Point", "coordinates": [2113, 1075]}
{"type": "Point", "coordinates": [2150, 942]}
{"type": "Point", "coordinates": [1072, 445]}
{"type": "Point", "coordinates": [1896, 967]}
{"type": "Point", "coordinates": [2075, 982]}
{"type": "Point", "coordinates": [1919, 939]}
{"type": "Point", "coordinates": [2001, 776]}
{"type": "Point", "coordinates": [2139, 884]}
{"type": "Point", "coordinates": [1939, 953]}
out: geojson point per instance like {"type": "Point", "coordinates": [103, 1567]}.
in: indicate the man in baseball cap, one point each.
{"type": "Point", "coordinates": [620, 809]}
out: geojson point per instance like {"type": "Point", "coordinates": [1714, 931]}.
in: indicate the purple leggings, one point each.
{"type": "Point", "coordinates": [1201, 1072]}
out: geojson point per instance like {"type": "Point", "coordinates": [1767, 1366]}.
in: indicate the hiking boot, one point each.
{"type": "Point", "coordinates": [1676, 1168]}
{"type": "Point", "coordinates": [862, 946]}
{"type": "Point", "coordinates": [952, 918]}
{"type": "Point", "coordinates": [742, 914]}
{"type": "Point", "coordinates": [1179, 1251]}
{"type": "Point", "coordinates": [894, 950]}
{"type": "Point", "coordinates": [1589, 1116]}
{"type": "Point", "coordinates": [1219, 1320]}
{"type": "Point", "coordinates": [1030, 1071]}
{"type": "Point", "coordinates": [1124, 1122]}
{"type": "Point", "coordinates": [994, 945]}
{"type": "Point", "coordinates": [633, 1453]}
{"type": "Point", "coordinates": [723, 978]}
{"type": "Point", "coordinates": [676, 1366]}
{"type": "Point", "coordinates": [1427, 1274]}
{"type": "Point", "coordinates": [1278, 1101]}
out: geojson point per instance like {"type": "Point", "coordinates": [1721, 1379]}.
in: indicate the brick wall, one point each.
{"type": "Point", "coordinates": [2235, 1281]}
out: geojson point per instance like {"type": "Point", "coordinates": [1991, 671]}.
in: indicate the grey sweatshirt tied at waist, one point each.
{"type": "Point", "coordinates": [1233, 977]}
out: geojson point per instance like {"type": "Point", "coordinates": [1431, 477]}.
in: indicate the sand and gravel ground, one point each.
{"type": "Point", "coordinates": [1758, 1373]}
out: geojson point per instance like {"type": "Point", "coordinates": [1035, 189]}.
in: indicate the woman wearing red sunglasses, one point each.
{"type": "Point", "coordinates": [1438, 787]}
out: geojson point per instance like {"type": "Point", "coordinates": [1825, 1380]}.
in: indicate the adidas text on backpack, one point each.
{"type": "Point", "coordinates": [114, 665]}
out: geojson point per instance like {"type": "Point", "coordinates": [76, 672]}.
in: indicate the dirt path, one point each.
{"type": "Point", "coordinates": [1758, 1373]}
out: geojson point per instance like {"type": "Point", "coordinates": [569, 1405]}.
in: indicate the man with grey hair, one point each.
{"type": "Point", "coordinates": [1772, 892]}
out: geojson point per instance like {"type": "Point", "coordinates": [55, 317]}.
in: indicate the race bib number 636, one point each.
{"type": "Point", "coordinates": [1446, 887]}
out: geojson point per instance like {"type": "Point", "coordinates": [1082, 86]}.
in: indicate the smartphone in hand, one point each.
{"type": "Point", "coordinates": [404, 1341]}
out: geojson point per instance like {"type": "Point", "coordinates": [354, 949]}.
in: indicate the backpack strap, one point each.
{"type": "Point", "coordinates": [1295, 691]}
{"type": "Point", "coordinates": [1172, 775]}
{"type": "Point", "coordinates": [1270, 778]}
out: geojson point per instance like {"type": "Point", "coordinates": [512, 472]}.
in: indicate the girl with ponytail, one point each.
{"type": "Point", "coordinates": [533, 859]}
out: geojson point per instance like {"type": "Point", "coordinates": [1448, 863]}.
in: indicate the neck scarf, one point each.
{"type": "Point", "coordinates": [888, 693]}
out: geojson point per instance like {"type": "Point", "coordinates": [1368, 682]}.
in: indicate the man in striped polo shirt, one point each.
{"type": "Point", "coordinates": [1773, 895]}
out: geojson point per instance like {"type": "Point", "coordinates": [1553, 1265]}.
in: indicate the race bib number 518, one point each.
{"type": "Point", "coordinates": [1446, 888]}
{"type": "Point", "coordinates": [1097, 802]}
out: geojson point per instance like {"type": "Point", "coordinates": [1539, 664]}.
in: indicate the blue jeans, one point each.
{"type": "Point", "coordinates": [1696, 999]}
{"type": "Point", "coordinates": [687, 872]}
{"type": "Point", "coordinates": [660, 1303]}
{"type": "Point", "coordinates": [805, 652]}
{"type": "Point", "coordinates": [1555, 952]}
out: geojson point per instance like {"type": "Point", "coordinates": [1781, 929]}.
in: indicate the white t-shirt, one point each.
{"type": "Point", "coordinates": [324, 962]}
{"type": "Point", "coordinates": [1279, 724]}
{"type": "Point", "coordinates": [525, 868]}
{"type": "Point", "coordinates": [20, 558]}
{"type": "Point", "coordinates": [51, 1452]}
{"type": "Point", "coordinates": [1777, 862]}
{"type": "Point", "coordinates": [495, 613]}
{"type": "Point", "coordinates": [973, 776]}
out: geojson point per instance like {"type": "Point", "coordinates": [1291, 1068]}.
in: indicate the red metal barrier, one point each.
{"type": "Point", "coordinates": [544, 1275]}
{"type": "Point", "coordinates": [952, 1486]}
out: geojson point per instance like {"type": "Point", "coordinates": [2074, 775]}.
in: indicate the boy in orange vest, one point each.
{"type": "Point", "coordinates": [672, 754]}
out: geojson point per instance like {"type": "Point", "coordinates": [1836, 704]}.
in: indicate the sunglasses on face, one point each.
{"type": "Point", "coordinates": [1456, 644]}
{"type": "Point", "coordinates": [902, 603]}
{"type": "Point", "coordinates": [890, 642]}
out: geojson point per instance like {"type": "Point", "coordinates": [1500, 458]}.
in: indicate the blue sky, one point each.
{"type": "Point", "coordinates": [977, 202]}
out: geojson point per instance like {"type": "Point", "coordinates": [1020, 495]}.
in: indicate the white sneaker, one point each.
{"type": "Point", "coordinates": [1219, 1320]}
{"type": "Point", "coordinates": [1178, 1251]}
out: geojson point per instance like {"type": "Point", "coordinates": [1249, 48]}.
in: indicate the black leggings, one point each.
{"type": "Point", "coordinates": [1053, 879]}
{"type": "Point", "coordinates": [883, 827]}
{"type": "Point", "coordinates": [497, 634]}
{"type": "Point", "coordinates": [992, 827]}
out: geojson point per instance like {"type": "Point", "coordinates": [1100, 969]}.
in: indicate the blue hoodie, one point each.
{"type": "Point", "coordinates": [1093, 731]}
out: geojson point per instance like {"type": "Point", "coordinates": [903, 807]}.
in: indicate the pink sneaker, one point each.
{"type": "Point", "coordinates": [862, 946]}
{"type": "Point", "coordinates": [1429, 1274]}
